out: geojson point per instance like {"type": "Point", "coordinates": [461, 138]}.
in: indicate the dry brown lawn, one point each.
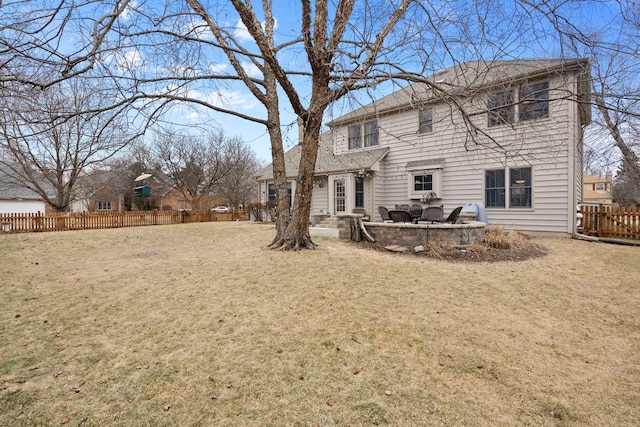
{"type": "Point", "coordinates": [197, 325]}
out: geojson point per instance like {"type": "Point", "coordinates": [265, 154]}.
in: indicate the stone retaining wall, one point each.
{"type": "Point", "coordinates": [412, 235]}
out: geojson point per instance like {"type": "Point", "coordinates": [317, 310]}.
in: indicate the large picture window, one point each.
{"type": "Point", "coordinates": [363, 135]}
{"type": "Point", "coordinates": [518, 187]}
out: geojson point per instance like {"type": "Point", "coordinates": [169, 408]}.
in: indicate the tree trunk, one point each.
{"type": "Point", "coordinates": [296, 236]}
{"type": "Point", "coordinates": [280, 182]}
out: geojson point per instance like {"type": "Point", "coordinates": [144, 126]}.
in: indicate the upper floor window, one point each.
{"type": "Point", "coordinates": [501, 108]}
{"type": "Point", "coordinates": [355, 137]}
{"type": "Point", "coordinates": [425, 120]}
{"type": "Point", "coordinates": [532, 103]}
{"type": "Point", "coordinates": [371, 134]}
{"type": "Point", "coordinates": [365, 134]}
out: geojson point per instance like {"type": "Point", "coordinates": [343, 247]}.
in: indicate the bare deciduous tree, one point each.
{"type": "Point", "coordinates": [238, 186]}
{"type": "Point", "coordinates": [53, 135]}
{"type": "Point", "coordinates": [196, 164]}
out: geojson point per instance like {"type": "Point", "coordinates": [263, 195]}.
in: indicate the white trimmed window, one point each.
{"type": "Point", "coordinates": [104, 205]}
{"type": "Point", "coordinates": [359, 192]}
{"type": "Point", "coordinates": [508, 188]}
{"type": "Point", "coordinates": [340, 196]}
{"type": "Point", "coordinates": [424, 181]}
{"type": "Point", "coordinates": [363, 135]}
{"type": "Point", "coordinates": [271, 192]}
{"type": "Point", "coordinates": [355, 137]}
{"type": "Point", "coordinates": [371, 134]}
{"type": "Point", "coordinates": [425, 120]}
{"type": "Point", "coordinates": [501, 108]}
{"type": "Point", "coordinates": [532, 103]}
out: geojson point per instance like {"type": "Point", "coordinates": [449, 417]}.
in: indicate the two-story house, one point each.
{"type": "Point", "coordinates": [597, 190]}
{"type": "Point", "coordinates": [506, 134]}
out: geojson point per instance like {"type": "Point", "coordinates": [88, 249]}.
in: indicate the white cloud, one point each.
{"type": "Point", "coordinates": [241, 32]}
{"type": "Point", "coordinates": [218, 68]}
{"type": "Point", "coordinates": [223, 98]}
{"type": "Point", "coordinates": [251, 69]}
{"type": "Point", "coordinates": [128, 60]}
{"type": "Point", "coordinates": [128, 10]}
{"type": "Point", "coordinates": [231, 99]}
{"type": "Point", "coordinates": [133, 57]}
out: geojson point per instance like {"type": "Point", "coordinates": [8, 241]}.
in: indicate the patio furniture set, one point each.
{"type": "Point", "coordinates": [415, 214]}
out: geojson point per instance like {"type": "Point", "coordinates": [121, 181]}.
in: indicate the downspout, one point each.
{"type": "Point", "coordinates": [575, 161]}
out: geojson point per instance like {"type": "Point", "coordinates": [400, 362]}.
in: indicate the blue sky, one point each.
{"type": "Point", "coordinates": [592, 16]}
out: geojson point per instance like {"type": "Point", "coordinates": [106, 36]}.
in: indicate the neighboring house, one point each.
{"type": "Point", "coordinates": [112, 190]}
{"type": "Point", "coordinates": [20, 200]}
{"type": "Point", "coordinates": [507, 134]}
{"type": "Point", "coordinates": [596, 190]}
{"type": "Point", "coordinates": [15, 199]}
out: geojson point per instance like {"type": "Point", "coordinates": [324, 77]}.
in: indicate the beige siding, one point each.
{"type": "Point", "coordinates": [320, 197]}
{"type": "Point", "coordinates": [547, 145]}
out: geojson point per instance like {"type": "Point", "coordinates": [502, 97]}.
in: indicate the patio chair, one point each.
{"type": "Point", "coordinates": [384, 213]}
{"type": "Point", "coordinates": [453, 216]}
{"type": "Point", "coordinates": [400, 216]}
{"type": "Point", "coordinates": [416, 211]}
{"type": "Point", "coordinates": [432, 214]}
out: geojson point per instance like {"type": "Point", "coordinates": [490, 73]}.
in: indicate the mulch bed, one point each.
{"type": "Point", "coordinates": [474, 253]}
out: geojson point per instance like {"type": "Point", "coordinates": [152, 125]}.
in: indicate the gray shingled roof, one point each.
{"type": "Point", "coordinates": [466, 80]}
{"type": "Point", "coordinates": [327, 162]}
{"type": "Point", "coordinates": [9, 190]}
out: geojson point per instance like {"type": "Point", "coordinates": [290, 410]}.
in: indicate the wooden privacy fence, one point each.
{"type": "Point", "coordinates": [22, 223]}
{"type": "Point", "coordinates": [611, 221]}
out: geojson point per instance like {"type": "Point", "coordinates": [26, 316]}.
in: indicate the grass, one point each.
{"type": "Point", "coordinates": [197, 325]}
